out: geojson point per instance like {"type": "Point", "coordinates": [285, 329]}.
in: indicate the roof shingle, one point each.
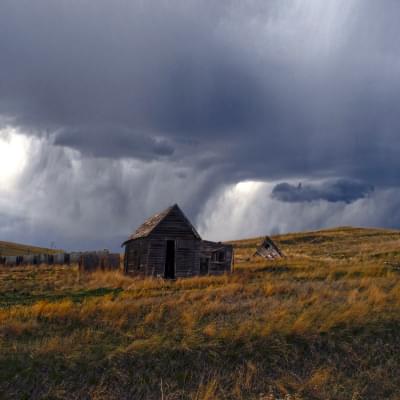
{"type": "Point", "coordinates": [147, 227]}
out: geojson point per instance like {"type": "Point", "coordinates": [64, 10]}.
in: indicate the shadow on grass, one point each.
{"type": "Point", "coordinates": [8, 299]}
{"type": "Point", "coordinates": [249, 366]}
{"type": "Point", "coordinates": [274, 269]}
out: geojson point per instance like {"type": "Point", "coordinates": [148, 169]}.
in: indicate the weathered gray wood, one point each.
{"type": "Point", "coordinates": [268, 249]}
{"type": "Point", "coordinates": [219, 256]}
{"type": "Point", "coordinates": [146, 249]}
{"type": "Point", "coordinates": [100, 260]}
{"type": "Point", "coordinates": [172, 221]}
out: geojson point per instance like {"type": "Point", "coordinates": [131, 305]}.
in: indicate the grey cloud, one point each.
{"type": "Point", "coordinates": [343, 190]}
{"type": "Point", "coordinates": [161, 68]}
{"type": "Point", "coordinates": [86, 202]}
{"type": "Point", "coordinates": [114, 141]}
{"type": "Point", "coordinates": [174, 101]}
{"type": "Point", "coordinates": [311, 85]}
{"type": "Point", "coordinates": [227, 216]}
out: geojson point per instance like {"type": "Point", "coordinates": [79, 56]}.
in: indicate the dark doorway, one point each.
{"type": "Point", "coordinates": [170, 260]}
{"type": "Point", "coordinates": [203, 266]}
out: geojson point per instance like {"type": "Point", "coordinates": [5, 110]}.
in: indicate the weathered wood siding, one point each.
{"type": "Point", "coordinates": [136, 257]}
{"type": "Point", "coordinates": [28, 259]}
{"type": "Point", "coordinates": [94, 261]}
{"type": "Point", "coordinates": [147, 256]}
{"type": "Point", "coordinates": [146, 250]}
{"type": "Point", "coordinates": [187, 261]}
{"type": "Point", "coordinates": [156, 259]}
{"type": "Point", "coordinates": [62, 259]}
{"type": "Point", "coordinates": [111, 262]}
{"type": "Point", "coordinates": [153, 257]}
{"type": "Point", "coordinates": [268, 249]}
{"type": "Point", "coordinates": [173, 226]}
{"type": "Point", "coordinates": [218, 257]}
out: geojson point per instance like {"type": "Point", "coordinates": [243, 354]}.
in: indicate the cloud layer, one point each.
{"type": "Point", "coordinates": [238, 213]}
{"type": "Point", "coordinates": [132, 106]}
{"type": "Point", "coordinates": [343, 190]}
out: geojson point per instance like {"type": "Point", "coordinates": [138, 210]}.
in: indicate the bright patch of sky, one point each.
{"type": "Point", "coordinates": [14, 149]}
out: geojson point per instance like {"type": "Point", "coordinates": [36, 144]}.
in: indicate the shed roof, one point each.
{"type": "Point", "coordinates": [151, 223]}
{"type": "Point", "coordinates": [268, 249]}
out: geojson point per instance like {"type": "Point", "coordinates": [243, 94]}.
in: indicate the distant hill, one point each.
{"type": "Point", "coordinates": [16, 249]}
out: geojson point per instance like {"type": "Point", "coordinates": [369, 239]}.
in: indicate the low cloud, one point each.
{"type": "Point", "coordinates": [114, 141]}
{"type": "Point", "coordinates": [81, 202]}
{"type": "Point", "coordinates": [341, 190]}
{"type": "Point", "coordinates": [233, 213]}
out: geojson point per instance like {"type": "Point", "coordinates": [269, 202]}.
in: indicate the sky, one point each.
{"type": "Point", "coordinates": [256, 117]}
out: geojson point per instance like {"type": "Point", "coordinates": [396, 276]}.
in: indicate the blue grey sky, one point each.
{"type": "Point", "coordinates": [113, 110]}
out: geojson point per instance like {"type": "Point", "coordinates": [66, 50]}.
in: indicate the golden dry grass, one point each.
{"type": "Point", "coordinates": [322, 323]}
{"type": "Point", "coordinates": [17, 249]}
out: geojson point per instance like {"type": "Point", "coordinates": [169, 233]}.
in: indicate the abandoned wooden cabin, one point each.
{"type": "Point", "coordinates": [167, 245]}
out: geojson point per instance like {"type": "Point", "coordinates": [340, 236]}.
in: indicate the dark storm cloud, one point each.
{"type": "Point", "coordinates": [343, 190]}
{"type": "Point", "coordinates": [197, 95]}
{"type": "Point", "coordinates": [254, 83]}
{"type": "Point", "coordinates": [146, 70]}
{"type": "Point", "coordinates": [88, 202]}
{"type": "Point", "coordinates": [114, 142]}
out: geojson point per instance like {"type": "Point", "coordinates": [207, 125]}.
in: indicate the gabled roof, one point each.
{"type": "Point", "coordinates": [151, 223]}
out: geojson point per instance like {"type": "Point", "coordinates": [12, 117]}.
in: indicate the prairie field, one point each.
{"type": "Point", "coordinates": [16, 249]}
{"type": "Point", "coordinates": [321, 323]}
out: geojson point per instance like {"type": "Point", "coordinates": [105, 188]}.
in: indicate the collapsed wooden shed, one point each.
{"type": "Point", "coordinates": [167, 245]}
{"type": "Point", "coordinates": [268, 249]}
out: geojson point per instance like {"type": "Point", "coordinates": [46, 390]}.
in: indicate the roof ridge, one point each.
{"type": "Point", "coordinates": [153, 221]}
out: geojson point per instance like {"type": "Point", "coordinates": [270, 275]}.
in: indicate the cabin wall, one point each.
{"type": "Point", "coordinates": [156, 257]}
{"type": "Point", "coordinates": [153, 257]}
{"type": "Point", "coordinates": [225, 266]}
{"type": "Point", "coordinates": [173, 226]}
{"type": "Point", "coordinates": [217, 257]}
{"type": "Point", "coordinates": [148, 257]}
{"type": "Point", "coordinates": [136, 257]}
{"type": "Point", "coordinates": [186, 257]}
{"type": "Point", "coordinates": [187, 261]}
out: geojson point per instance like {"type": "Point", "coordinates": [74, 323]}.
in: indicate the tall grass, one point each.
{"type": "Point", "coordinates": [314, 325]}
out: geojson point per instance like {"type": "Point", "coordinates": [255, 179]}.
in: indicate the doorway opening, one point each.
{"type": "Point", "coordinates": [203, 266]}
{"type": "Point", "coordinates": [169, 272]}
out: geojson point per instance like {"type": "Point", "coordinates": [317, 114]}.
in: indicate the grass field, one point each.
{"type": "Point", "coordinates": [16, 249]}
{"type": "Point", "coordinates": [322, 323]}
